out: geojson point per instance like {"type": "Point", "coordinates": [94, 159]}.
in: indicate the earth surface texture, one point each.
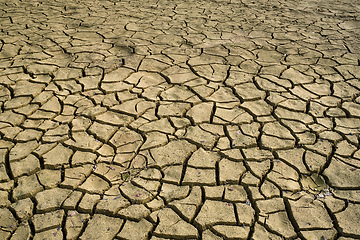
{"type": "Point", "coordinates": [216, 119]}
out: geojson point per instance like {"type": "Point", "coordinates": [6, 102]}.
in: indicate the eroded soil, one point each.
{"type": "Point", "coordinates": [179, 119]}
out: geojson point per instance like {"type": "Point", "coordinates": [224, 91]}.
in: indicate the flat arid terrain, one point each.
{"type": "Point", "coordinates": [170, 119]}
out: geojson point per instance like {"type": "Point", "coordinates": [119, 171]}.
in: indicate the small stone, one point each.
{"type": "Point", "coordinates": [322, 234]}
{"type": "Point", "coordinates": [172, 192]}
{"type": "Point", "coordinates": [232, 232]}
{"type": "Point", "coordinates": [94, 184]}
{"type": "Point", "coordinates": [27, 186]}
{"type": "Point", "coordinates": [49, 178]}
{"type": "Point", "coordinates": [215, 212]}
{"type": "Point", "coordinates": [135, 230]}
{"type": "Point", "coordinates": [260, 232]}
{"type": "Point", "coordinates": [201, 112]}
{"type": "Point", "coordinates": [23, 208]}
{"type": "Point", "coordinates": [21, 150]}
{"type": "Point", "coordinates": [111, 204]}
{"type": "Point", "coordinates": [49, 220]}
{"type": "Point", "coordinates": [214, 192]}
{"type": "Point", "coordinates": [134, 212]}
{"type": "Point", "coordinates": [102, 227]}
{"type": "Point", "coordinates": [175, 152]}
{"type": "Point", "coordinates": [280, 223]}
{"type": "Point", "coordinates": [55, 234]}
{"type": "Point", "coordinates": [203, 159]}
{"type": "Point", "coordinates": [51, 199]}
{"type": "Point", "coordinates": [57, 157]}
{"type": "Point", "coordinates": [154, 139]}
{"type": "Point", "coordinates": [189, 205]}
{"type": "Point", "coordinates": [163, 125]}
{"type": "Point", "coordinates": [7, 220]}
{"type": "Point", "coordinates": [126, 140]}
{"type": "Point", "coordinates": [208, 235]}
{"type": "Point", "coordinates": [4, 199]}
{"type": "Point", "coordinates": [88, 202]}
{"type": "Point", "coordinates": [83, 141]}
{"type": "Point", "coordinates": [230, 171]}
{"type": "Point", "coordinates": [285, 176]}
{"type": "Point", "coordinates": [171, 225]}
{"type": "Point", "coordinates": [112, 118]}
{"type": "Point", "coordinates": [235, 193]}
{"type": "Point", "coordinates": [200, 177]}
{"type": "Point", "coordinates": [26, 166]}
{"type": "Point", "coordinates": [341, 175]}
{"type": "Point", "coordinates": [310, 214]}
{"type": "Point", "coordinates": [172, 174]}
{"type": "Point", "coordinates": [135, 194]}
{"type": "Point", "coordinates": [74, 223]}
{"type": "Point", "coordinates": [22, 232]}
{"type": "Point", "coordinates": [80, 158]}
{"type": "Point", "coordinates": [73, 199]}
{"type": "Point", "coordinates": [102, 131]}
{"type": "Point", "coordinates": [349, 219]}
{"type": "Point", "coordinates": [155, 204]}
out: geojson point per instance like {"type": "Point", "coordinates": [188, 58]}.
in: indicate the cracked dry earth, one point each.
{"type": "Point", "coordinates": [179, 119]}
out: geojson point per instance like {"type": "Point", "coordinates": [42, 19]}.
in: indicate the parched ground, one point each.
{"type": "Point", "coordinates": [207, 119]}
